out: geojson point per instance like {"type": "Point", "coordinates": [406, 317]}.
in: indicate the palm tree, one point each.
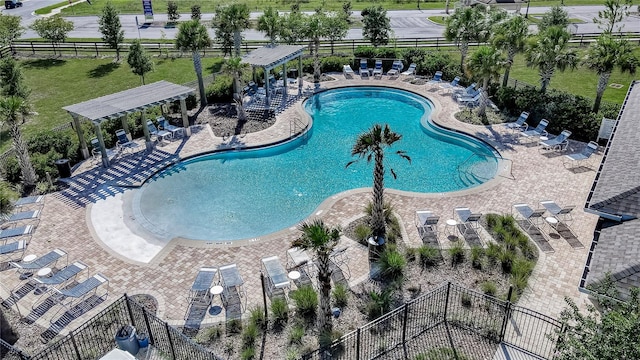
{"type": "Point", "coordinates": [271, 24]}
{"type": "Point", "coordinates": [321, 239]}
{"type": "Point", "coordinates": [233, 18]}
{"type": "Point", "coordinates": [485, 63]}
{"type": "Point", "coordinates": [464, 26]}
{"type": "Point", "coordinates": [314, 29]}
{"type": "Point", "coordinates": [606, 54]}
{"type": "Point", "coordinates": [193, 36]}
{"type": "Point", "coordinates": [549, 51]}
{"type": "Point", "coordinates": [371, 145]}
{"type": "Point", "coordinates": [511, 36]}
{"type": "Point", "coordinates": [236, 68]}
{"type": "Point", "coordinates": [7, 197]}
{"type": "Point", "coordinates": [14, 110]}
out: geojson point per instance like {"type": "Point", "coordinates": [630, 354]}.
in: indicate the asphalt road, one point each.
{"type": "Point", "coordinates": [405, 24]}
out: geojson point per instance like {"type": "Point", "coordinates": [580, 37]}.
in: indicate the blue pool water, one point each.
{"type": "Point", "coordinates": [238, 195]}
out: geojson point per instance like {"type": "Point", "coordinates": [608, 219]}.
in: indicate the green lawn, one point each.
{"type": "Point", "coordinates": [57, 83]}
{"type": "Point", "coordinates": [184, 6]}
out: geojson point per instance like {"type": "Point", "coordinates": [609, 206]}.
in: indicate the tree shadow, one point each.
{"type": "Point", "coordinates": [43, 63]}
{"type": "Point", "coordinates": [103, 70]}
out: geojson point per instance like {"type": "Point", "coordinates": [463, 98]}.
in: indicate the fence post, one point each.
{"type": "Point", "coordinates": [173, 352]}
{"type": "Point", "coordinates": [507, 313]}
{"type": "Point", "coordinates": [404, 329]}
{"type": "Point", "coordinates": [353, 45]}
{"type": "Point", "coordinates": [437, 43]}
{"type": "Point", "coordinates": [358, 344]}
{"type": "Point", "coordinates": [96, 46]}
{"type": "Point", "coordinates": [75, 346]}
{"type": "Point", "coordinates": [126, 301]}
{"type": "Point", "coordinates": [446, 302]}
{"type": "Point", "coordinates": [146, 322]}
{"type": "Point", "coordinates": [75, 47]}
{"type": "Point", "coordinates": [33, 49]}
{"type": "Point", "coordinates": [416, 42]}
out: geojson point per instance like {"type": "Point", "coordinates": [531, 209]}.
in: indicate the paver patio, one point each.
{"type": "Point", "coordinates": [167, 277]}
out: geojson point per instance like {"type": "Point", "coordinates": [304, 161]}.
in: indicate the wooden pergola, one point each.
{"type": "Point", "coordinates": [119, 105]}
{"type": "Point", "coordinates": [269, 57]}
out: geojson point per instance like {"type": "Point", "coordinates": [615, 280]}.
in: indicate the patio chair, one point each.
{"type": "Point", "coordinates": [26, 268]}
{"type": "Point", "coordinates": [468, 91]}
{"type": "Point", "coordinates": [29, 200]}
{"type": "Point", "coordinates": [24, 215]}
{"type": "Point", "coordinates": [124, 144]}
{"type": "Point", "coordinates": [427, 225]}
{"type": "Point", "coordinates": [174, 130]}
{"type": "Point", "coordinates": [396, 68]}
{"type": "Point", "coordinates": [300, 261]}
{"type": "Point", "coordinates": [436, 79]}
{"type": "Point", "coordinates": [73, 299]}
{"type": "Point", "coordinates": [12, 250]}
{"type": "Point", "coordinates": [561, 213]}
{"type": "Point", "coordinates": [450, 86]}
{"type": "Point", "coordinates": [43, 283]}
{"type": "Point", "coordinates": [276, 276]}
{"type": "Point", "coordinates": [17, 231]}
{"type": "Point", "coordinates": [364, 68]}
{"type": "Point", "coordinates": [531, 216]}
{"type": "Point", "coordinates": [538, 131]}
{"type": "Point", "coordinates": [97, 154]}
{"type": "Point", "coordinates": [585, 156]}
{"type": "Point", "coordinates": [199, 292]}
{"type": "Point", "coordinates": [411, 70]}
{"type": "Point", "coordinates": [468, 219]}
{"type": "Point", "coordinates": [339, 263]}
{"type": "Point", "coordinates": [558, 143]}
{"type": "Point", "coordinates": [159, 134]}
{"type": "Point", "coordinates": [347, 71]}
{"type": "Point", "coordinates": [471, 100]}
{"type": "Point", "coordinates": [520, 123]}
{"type": "Point", "coordinates": [233, 292]}
{"type": "Point", "coordinates": [377, 70]}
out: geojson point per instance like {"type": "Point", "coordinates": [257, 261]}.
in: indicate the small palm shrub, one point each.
{"type": "Point", "coordinates": [296, 334]}
{"type": "Point", "coordinates": [257, 317]}
{"type": "Point", "coordinates": [306, 300]}
{"type": "Point", "coordinates": [362, 232]}
{"type": "Point", "coordinates": [392, 263]}
{"type": "Point", "coordinates": [248, 353]}
{"type": "Point", "coordinates": [340, 295]}
{"type": "Point", "coordinates": [489, 288]}
{"type": "Point", "coordinates": [506, 260]}
{"type": "Point", "coordinates": [209, 335]}
{"type": "Point", "coordinates": [429, 255]}
{"type": "Point", "coordinates": [410, 254]}
{"type": "Point", "coordinates": [280, 311]}
{"type": "Point", "coordinates": [249, 335]}
{"type": "Point", "coordinates": [456, 252]}
{"type": "Point", "coordinates": [379, 304]}
{"type": "Point", "coordinates": [234, 326]}
{"type": "Point", "coordinates": [493, 252]}
{"type": "Point", "coordinates": [477, 252]}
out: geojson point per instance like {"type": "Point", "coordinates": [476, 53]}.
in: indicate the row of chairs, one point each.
{"type": "Point", "coordinates": [378, 71]}
{"type": "Point", "coordinates": [17, 229]}
{"type": "Point", "coordinates": [427, 224]}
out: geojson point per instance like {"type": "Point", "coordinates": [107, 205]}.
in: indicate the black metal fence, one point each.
{"type": "Point", "coordinates": [97, 337]}
{"type": "Point", "coordinates": [448, 321]}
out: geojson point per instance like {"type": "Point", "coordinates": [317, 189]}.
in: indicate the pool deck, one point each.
{"type": "Point", "coordinates": [166, 271]}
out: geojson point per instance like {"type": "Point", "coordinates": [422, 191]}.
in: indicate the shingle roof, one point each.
{"type": "Point", "coordinates": [271, 56]}
{"type": "Point", "coordinates": [136, 99]}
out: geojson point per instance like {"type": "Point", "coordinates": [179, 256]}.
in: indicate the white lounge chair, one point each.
{"type": "Point", "coordinates": [199, 291]}
{"type": "Point", "coordinates": [347, 71]}
{"type": "Point", "coordinates": [582, 157]}
{"type": "Point", "coordinates": [174, 130]}
{"type": "Point", "coordinates": [427, 225]}
{"type": "Point", "coordinates": [24, 215]}
{"type": "Point", "coordinates": [13, 249]}
{"type": "Point", "coordinates": [159, 134]}
{"type": "Point", "coordinates": [436, 79]}
{"type": "Point", "coordinates": [29, 200]}
{"type": "Point", "coordinates": [364, 68]}
{"type": "Point", "coordinates": [97, 154]}
{"type": "Point", "coordinates": [533, 217]}
{"type": "Point", "coordinates": [411, 70]}
{"type": "Point", "coordinates": [538, 131]}
{"type": "Point", "coordinates": [450, 86]}
{"type": "Point", "coordinates": [277, 278]}
{"type": "Point", "coordinates": [25, 230]}
{"type": "Point", "coordinates": [468, 219]}
{"type": "Point", "coordinates": [558, 143]}
{"type": "Point", "coordinates": [396, 68]}
{"type": "Point", "coordinates": [520, 123]}
{"type": "Point", "coordinates": [124, 144]}
{"type": "Point", "coordinates": [561, 213]}
{"type": "Point", "coordinates": [69, 298]}
{"type": "Point", "coordinates": [377, 70]}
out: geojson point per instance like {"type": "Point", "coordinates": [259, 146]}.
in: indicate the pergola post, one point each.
{"type": "Point", "coordinates": [125, 126]}
{"type": "Point", "coordinates": [285, 82]}
{"type": "Point", "coordinates": [266, 86]}
{"type": "Point", "coordinates": [145, 129]}
{"type": "Point", "coordinates": [185, 117]}
{"type": "Point", "coordinates": [83, 143]}
{"type": "Point", "coordinates": [300, 75]}
{"type": "Point", "coordinates": [103, 149]}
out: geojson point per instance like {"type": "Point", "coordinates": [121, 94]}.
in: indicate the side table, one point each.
{"type": "Point", "coordinates": [41, 288]}
{"type": "Point", "coordinates": [215, 290]}
{"type": "Point", "coordinates": [451, 227]}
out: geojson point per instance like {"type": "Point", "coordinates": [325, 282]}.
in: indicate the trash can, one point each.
{"type": "Point", "coordinates": [376, 246]}
{"type": "Point", "coordinates": [143, 341]}
{"type": "Point", "coordinates": [64, 168]}
{"type": "Point", "coordinates": [126, 340]}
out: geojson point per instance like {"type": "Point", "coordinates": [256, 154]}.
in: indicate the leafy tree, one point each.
{"type": "Point", "coordinates": [556, 16]}
{"type": "Point", "coordinates": [270, 23]}
{"type": "Point", "coordinates": [376, 26]}
{"type": "Point", "coordinates": [606, 54]}
{"type": "Point", "coordinates": [548, 51]}
{"type": "Point", "coordinates": [336, 28]}
{"type": "Point", "coordinates": [10, 29]}
{"type": "Point", "coordinates": [172, 11]}
{"type": "Point", "coordinates": [7, 198]}
{"type": "Point", "coordinates": [610, 335]}
{"type": "Point", "coordinates": [614, 12]}
{"type": "Point", "coordinates": [510, 36]}
{"type": "Point", "coordinates": [139, 60]}
{"type": "Point", "coordinates": [54, 28]}
{"type": "Point", "coordinates": [237, 69]}
{"type": "Point", "coordinates": [465, 26]}
{"type": "Point", "coordinates": [12, 80]}
{"type": "Point", "coordinates": [232, 20]}
{"type": "Point", "coordinates": [371, 145]}
{"type": "Point", "coordinates": [314, 29]}
{"type": "Point", "coordinates": [192, 36]}
{"type": "Point", "coordinates": [485, 63]}
{"type": "Point", "coordinates": [111, 28]}
{"type": "Point", "coordinates": [346, 11]}
{"type": "Point", "coordinates": [321, 239]}
{"type": "Point", "coordinates": [13, 111]}
{"type": "Point", "coordinates": [196, 13]}
{"type": "Point", "coordinates": [291, 25]}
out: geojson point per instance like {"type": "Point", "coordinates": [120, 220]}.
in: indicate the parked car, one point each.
{"type": "Point", "coordinates": [10, 4]}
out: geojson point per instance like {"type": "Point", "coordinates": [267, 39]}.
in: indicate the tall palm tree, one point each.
{"type": "Point", "coordinates": [270, 23]}
{"type": "Point", "coordinates": [7, 197]}
{"type": "Point", "coordinates": [549, 51]}
{"type": "Point", "coordinates": [606, 54]}
{"type": "Point", "coordinates": [321, 239]}
{"type": "Point", "coordinates": [464, 26]}
{"type": "Point", "coordinates": [233, 18]}
{"type": "Point", "coordinates": [510, 36]}
{"type": "Point", "coordinates": [193, 36]}
{"type": "Point", "coordinates": [485, 63]}
{"type": "Point", "coordinates": [236, 68]}
{"type": "Point", "coordinates": [315, 29]}
{"type": "Point", "coordinates": [13, 111]}
{"type": "Point", "coordinates": [371, 145]}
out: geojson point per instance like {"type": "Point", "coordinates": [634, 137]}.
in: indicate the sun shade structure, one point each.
{"type": "Point", "coordinates": [120, 104]}
{"type": "Point", "coordinates": [268, 57]}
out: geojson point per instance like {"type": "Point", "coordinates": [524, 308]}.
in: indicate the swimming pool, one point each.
{"type": "Point", "coordinates": [246, 194]}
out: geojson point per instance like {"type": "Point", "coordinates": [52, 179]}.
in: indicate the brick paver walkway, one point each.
{"type": "Point", "coordinates": [168, 276]}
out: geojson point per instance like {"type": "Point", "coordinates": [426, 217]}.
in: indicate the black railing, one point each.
{"type": "Point", "coordinates": [447, 322]}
